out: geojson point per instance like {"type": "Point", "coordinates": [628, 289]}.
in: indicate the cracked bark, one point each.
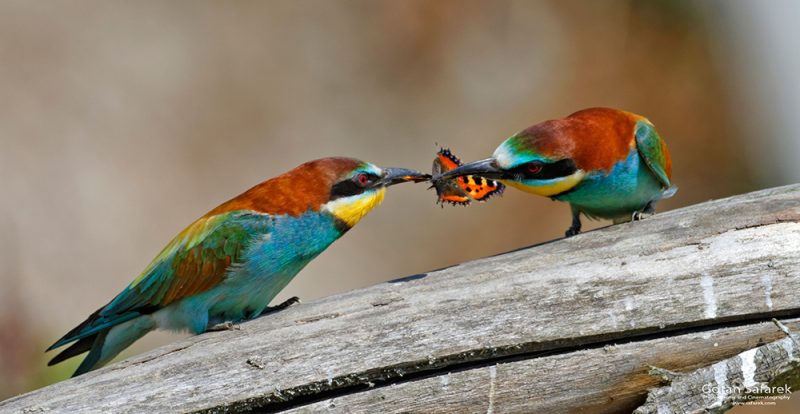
{"type": "Point", "coordinates": [566, 325]}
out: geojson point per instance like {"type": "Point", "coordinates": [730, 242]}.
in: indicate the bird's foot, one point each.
{"type": "Point", "coordinates": [224, 326]}
{"type": "Point", "coordinates": [572, 231]}
{"type": "Point", "coordinates": [646, 212]}
{"type": "Point", "coordinates": [281, 306]}
{"type": "Point", "coordinates": [575, 228]}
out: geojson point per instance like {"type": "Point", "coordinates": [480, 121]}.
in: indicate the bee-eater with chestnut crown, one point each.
{"type": "Point", "coordinates": [228, 265]}
{"type": "Point", "coordinates": [606, 163]}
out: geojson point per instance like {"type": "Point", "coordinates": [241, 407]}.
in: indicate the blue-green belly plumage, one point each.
{"type": "Point", "coordinates": [629, 187]}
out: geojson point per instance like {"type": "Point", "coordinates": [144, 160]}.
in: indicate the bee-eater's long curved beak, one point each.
{"type": "Point", "coordinates": [484, 168]}
{"type": "Point", "coordinates": [392, 176]}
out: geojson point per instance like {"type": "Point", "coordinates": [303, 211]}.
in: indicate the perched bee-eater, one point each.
{"type": "Point", "coordinates": [228, 265]}
{"type": "Point", "coordinates": [606, 163]}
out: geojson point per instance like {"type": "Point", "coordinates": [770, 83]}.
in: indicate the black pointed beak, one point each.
{"type": "Point", "coordinates": [484, 168]}
{"type": "Point", "coordinates": [392, 176]}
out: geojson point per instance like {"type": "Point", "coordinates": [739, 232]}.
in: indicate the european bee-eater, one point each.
{"type": "Point", "coordinates": [606, 163]}
{"type": "Point", "coordinates": [228, 265]}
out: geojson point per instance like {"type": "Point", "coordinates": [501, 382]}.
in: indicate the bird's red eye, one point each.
{"type": "Point", "coordinates": [534, 167]}
{"type": "Point", "coordinates": [362, 179]}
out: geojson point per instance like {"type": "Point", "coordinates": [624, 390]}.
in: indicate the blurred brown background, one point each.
{"type": "Point", "coordinates": [121, 122]}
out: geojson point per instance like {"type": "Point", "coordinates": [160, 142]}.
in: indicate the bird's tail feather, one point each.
{"type": "Point", "coordinates": [669, 192]}
{"type": "Point", "coordinates": [84, 344]}
{"type": "Point", "coordinates": [106, 344]}
{"type": "Point", "coordinates": [92, 360]}
{"type": "Point", "coordinates": [110, 342]}
{"type": "Point", "coordinates": [93, 325]}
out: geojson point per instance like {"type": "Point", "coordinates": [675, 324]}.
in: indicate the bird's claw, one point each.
{"type": "Point", "coordinates": [646, 212]}
{"type": "Point", "coordinates": [281, 306]}
{"type": "Point", "coordinates": [575, 228]}
{"type": "Point", "coordinates": [224, 326]}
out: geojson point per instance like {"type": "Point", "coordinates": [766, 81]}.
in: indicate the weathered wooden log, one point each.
{"type": "Point", "coordinates": [754, 376]}
{"type": "Point", "coordinates": [565, 325]}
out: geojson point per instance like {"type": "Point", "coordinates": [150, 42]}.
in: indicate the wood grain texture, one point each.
{"type": "Point", "coordinates": [608, 379]}
{"type": "Point", "coordinates": [747, 376]}
{"type": "Point", "coordinates": [665, 290]}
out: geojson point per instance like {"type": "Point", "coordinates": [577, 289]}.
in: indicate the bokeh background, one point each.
{"type": "Point", "coordinates": [122, 122]}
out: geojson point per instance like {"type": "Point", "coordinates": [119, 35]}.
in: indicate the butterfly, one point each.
{"type": "Point", "coordinates": [461, 190]}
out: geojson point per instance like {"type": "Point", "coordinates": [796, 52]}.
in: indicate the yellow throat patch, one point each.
{"type": "Point", "coordinates": [558, 187]}
{"type": "Point", "coordinates": [352, 209]}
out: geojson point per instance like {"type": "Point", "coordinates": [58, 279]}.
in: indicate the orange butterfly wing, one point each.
{"type": "Point", "coordinates": [461, 190]}
{"type": "Point", "coordinates": [480, 188]}
{"type": "Point", "coordinates": [448, 191]}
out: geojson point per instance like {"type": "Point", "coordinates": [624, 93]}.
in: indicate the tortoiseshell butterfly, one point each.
{"type": "Point", "coordinates": [461, 190]}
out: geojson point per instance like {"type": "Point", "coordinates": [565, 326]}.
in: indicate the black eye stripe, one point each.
{"type": "Point", "coordinates": [345, 189]}
{"type": "Point", "coordinates": [371, 178]}
{"type": "Point", "coordinates": [351, 186]}
{"type": "Point", "coordinates": [557, 169]}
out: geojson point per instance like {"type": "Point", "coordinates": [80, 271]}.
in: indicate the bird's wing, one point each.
{"type": "Point", "coordinates": [653, 151]}
{"type": "Point", "coordinates": [198, 259]}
